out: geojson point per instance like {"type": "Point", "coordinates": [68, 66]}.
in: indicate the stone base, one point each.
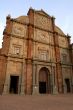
{"type": "Point", "coordinates": [35, 90]}
{"type": "Point", "coordinates": [5, 90]}
{"type": "Point", "coordinates": [55, 91]}
{"type": "Point", "coordinates": [22, 90]}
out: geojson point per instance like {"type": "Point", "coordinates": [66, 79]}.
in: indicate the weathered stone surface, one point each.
{"type": "Point", "coordinates": [32, 43]}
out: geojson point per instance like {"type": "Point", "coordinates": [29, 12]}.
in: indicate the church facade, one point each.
{"type": "Point", "coordinates": [36, 56]}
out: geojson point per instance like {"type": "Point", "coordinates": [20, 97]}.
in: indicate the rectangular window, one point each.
{"type": "Point", "coordinates": [64, 58]}
{"type": "Point", "coordinates": [43, 55]}
{"type": "Point", "coordinates": [16, 49]}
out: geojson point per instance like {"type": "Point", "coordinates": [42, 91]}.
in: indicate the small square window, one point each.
{"type": "Point", "coordinates": [43, 55]}
{"type": "Point", "coordinates": [16, 50]}
{"type": "Point", "coordinates": [64, 57]}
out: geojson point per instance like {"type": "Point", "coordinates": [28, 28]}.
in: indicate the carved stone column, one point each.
{"type": "Point", "coordinates": [58, 64]}
{"type": "Point", "coordinates": [35, 88]}
{"type": "Point", "coordinates": [29, 53]}
{"type": "Point", "coordinates": [23, 78]}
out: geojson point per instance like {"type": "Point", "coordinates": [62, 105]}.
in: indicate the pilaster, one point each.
{"type": "Point", "coordinates": [35, 86]}
{"type": "Point", "coordinates": [58, 64]}
{"type": "Point", "coordinates": [29, 53]}
{"type": "Point", "coordinates": [6, 37]}
{"type": "Point", "coordinates": [23, 78]}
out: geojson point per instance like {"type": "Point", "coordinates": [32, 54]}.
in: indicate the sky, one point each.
{"type": "Point", "coordinates": [62, 10]}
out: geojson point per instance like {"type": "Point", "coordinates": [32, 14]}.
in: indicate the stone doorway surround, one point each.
{"type": "Point", "coordinates": [7, 83]}
{"type": "Point", "coordinates": [35, 81]}
{"type": "Point", "coordinates": [14, 83]}
{"type": "Point", "coordinates": [44, 80]}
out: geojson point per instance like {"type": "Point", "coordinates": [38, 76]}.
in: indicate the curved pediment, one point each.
{"type": "Point", "coordinates": [59, 31]}
{"type": "Point", "coordinates": [23, 19]}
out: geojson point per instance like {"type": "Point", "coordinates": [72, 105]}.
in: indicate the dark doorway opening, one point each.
{"type": "Point", "coordinates": [42, 87]}
{"type": "Point", "coordinates": [67, 81]}
{"type": "Point", "coordinates": [14, 84]}
{"type": "Point", "coordinates": [44, 81]}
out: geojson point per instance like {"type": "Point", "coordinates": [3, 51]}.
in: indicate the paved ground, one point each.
{"type": "Point", "coordinates": [40, 102]}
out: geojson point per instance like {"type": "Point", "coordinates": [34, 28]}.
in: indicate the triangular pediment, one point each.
{"type": "Point", "coordinates": [43, 13]}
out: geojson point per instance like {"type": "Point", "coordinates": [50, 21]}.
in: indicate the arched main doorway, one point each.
{"type": "Point", "coordinates": [44, 81]}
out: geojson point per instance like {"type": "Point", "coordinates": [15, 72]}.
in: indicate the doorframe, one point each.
{"type": "Point", "coordinates": [19, 82]}
{"type": "Point", "coordinates": [67, 85]}
{"type": "Point", "coordinates": [48, 74]}
{"type": "Point", "coordinates": [40, 90]}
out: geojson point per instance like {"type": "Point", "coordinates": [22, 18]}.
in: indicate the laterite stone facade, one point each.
{"type": "Point", "coordinates": [36, 56]}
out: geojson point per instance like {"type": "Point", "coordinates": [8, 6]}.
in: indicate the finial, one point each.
{"type": "Point", "coordinates": [53, 17]}
{"type": "Point", "coordinates": [30, 7]}
{"type": "Point", "coordinates": [9, 16]}
{"type": "Point", "coordinates": [68, 36]}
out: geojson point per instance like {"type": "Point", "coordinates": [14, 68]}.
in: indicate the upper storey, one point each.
{"type": "Point", "coordinates": [38, 19]}
{"type": "Point", "coordinates": [43, 27]}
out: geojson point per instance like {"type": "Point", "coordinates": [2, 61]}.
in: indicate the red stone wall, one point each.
{"type": "Point", "coordinates": [2, 72]}
{"type": "Point", "coordinates": [30, 33]}
{"type": "Point", "coordinates": [4, 52]}
{"type": "Point", "coordinates": [58, 76]}
{"type": "Point", "coordinates": [6, 37]}
{"type": "Point", "coordinates": [29, 54]}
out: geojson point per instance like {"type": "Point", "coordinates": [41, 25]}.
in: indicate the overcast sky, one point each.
{"type": "Point", "coordinates": [62, 10]}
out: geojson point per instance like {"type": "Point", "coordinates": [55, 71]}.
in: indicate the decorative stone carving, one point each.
{"type": "Point", "coordinates": [63, 41]}
{"type": "Point", "coordinates": [43, 54]}
{"type": "Point", "coordinates": [43, 36]}
{"type": "Point", "coordinates": [43, 22]}
{"type": "Point", "coordinates": [19, 30]}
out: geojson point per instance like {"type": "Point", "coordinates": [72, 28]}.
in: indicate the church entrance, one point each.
{"type": "Point", "coordinates": [67, 81]}
{"type": "Point", "coordinates": [14, 80]}
{"type": "Point", "coordinates": [44, 81]}
{"type": "Point", "coordinates": [42, 87]}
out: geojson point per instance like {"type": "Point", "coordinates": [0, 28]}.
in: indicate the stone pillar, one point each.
{"type": "Point", "coordinates": [5, 49]}
{"type": "Point", "coordinates": [7, 77]}
{"type": "Point", "coordinates": [59, 78]}
{"type": "Point", "coordinates": [70, 61]}
{"type": "Point", "coordinates": [23, 78]}
{"type": "Point", "coordinates": [6, 85]}
{"type": "Point", "coordinates": [71, 77]}
{"type": "Point", "coordinates": [35, 88]}
{"type": "Point", "coordinates": [29, 52]}
{"type": "Point", "coordinates": [29, 77]}
{"type": "Point", "coordinates": [6, 38]}
{"type": "Point", "coordinates": [58, 64]}
{"type": "Point", "coordinates": [70, 49]}
{"type": "Point", "coordinates": [54, 83]}
{"type": "Point", "coordinates": [57, 55]}
{"type": "Point", "coordinates": [37, 80]}
{"type": "Point", "coordinates": [29, 61]}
